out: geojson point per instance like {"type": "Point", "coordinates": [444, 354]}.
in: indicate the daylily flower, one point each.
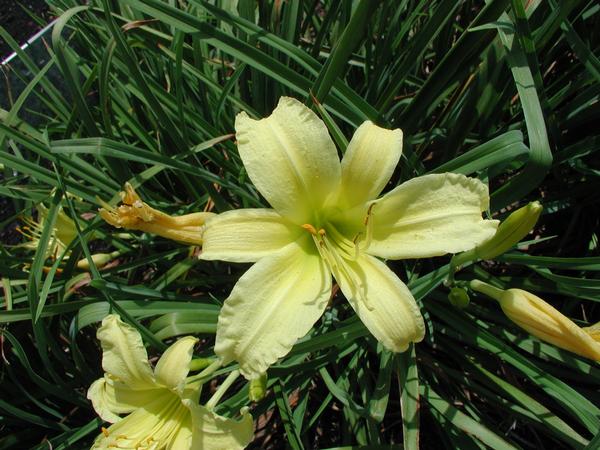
{"type": "Point", "coordinates": [542, 320]}
{"type": "Point", "coordinates": [63, 233]}
{"type": "Point", "coordinates": [134, 214]}
{"type": "Point", "coordinates": [162, 404]}
{"type": "Point", "coordinates": [326, 220]}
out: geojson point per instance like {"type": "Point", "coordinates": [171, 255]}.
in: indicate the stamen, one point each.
{"type": "Point", "coordinates": [342, 242]}
{"type": "Point", "coordinates": [339, 268]}
{"type": "Point", "coordinates": [364, 243]}
{"type": "Point", "coordinates": [308, 227]}
{"type": "Point", "coordinates": [105, 431]}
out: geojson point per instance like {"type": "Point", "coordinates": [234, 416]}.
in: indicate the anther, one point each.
{"type": "Point", "coordinates": [322, 232]}
{"type": "Point", "coordinates": [104, 431]}
{"type": "Point", "coordinates": [308, 227]}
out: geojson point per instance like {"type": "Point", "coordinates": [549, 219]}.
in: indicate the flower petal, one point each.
{"type": "Point", "coordinates": [246, 235]}
{"type": "Point", "coordinates": [214, 432]}
{"type": "Point", "coordinates": [369, 162]}
{"type": "Point", "coordinates": [110, 398]}
{"type": "Point", "coordinates": [290, 158]}
{"type": "Point", "coordinates": [272, 305]}
{"type": "Point", "coordinates": [124, 355]}
{"type": "Point", "coordinates": [383, 302]}
{"type": "Point", "coordinates": [155, 425]}
{"type": "Point", "coordinates": [173, 366]}
{"type": "Point", "coordinates": [430, 216]}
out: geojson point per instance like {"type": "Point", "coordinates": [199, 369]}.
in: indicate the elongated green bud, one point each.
{"type": "Point", "coordinates": [510, 232]}
{"type": "Point", "coordinates": [258, 388]}
{"type": "Point", "coordinates": [100, 260]}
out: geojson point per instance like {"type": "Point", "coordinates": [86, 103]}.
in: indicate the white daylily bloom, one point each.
{"type": "Point", "coordinates": [163, 409]}
{"type": "Point", "coordinates": [326, 220]}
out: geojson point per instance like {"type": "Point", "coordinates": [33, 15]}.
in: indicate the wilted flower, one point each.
{"type": "Point", "coordinates": [134, 214]}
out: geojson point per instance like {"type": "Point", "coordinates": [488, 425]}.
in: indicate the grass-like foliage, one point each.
{"type": "Point", "coordinates": [146, 92]}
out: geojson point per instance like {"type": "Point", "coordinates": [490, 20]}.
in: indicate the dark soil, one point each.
{"type": "Point", "coordinates": [20, 25]}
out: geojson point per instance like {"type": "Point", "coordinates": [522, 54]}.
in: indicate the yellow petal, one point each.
{"type": "Point", "coordinates": [246, 235]}
{"type": "Point", "coordinates": [384, 304]}
{"type": "Point", "coordinates": [369, 162]}
{"type": "Point", "coordinates": [272, 305]}
{"type": "Point", "coordinates": [430, 216]}
{"type": "Point", "coordinates": [111, 398]}
{"type": "Point", "coordinates": [155, 426]}
{"type": "Point", "coordinates": [542, 320]}
{"type": "Point", "coordinates": [214, 432]}
{"type": "Point", "coordinates": [124, 355]}
{"type": "Point", "coordinates": [290, 158]}
{"type": "Point", "coordinates": [173, 366]}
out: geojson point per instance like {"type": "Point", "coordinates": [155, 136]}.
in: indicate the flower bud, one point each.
{"type": "Point", "coordinates": [458, 297]}
{"type": "Point", "coordinates": [510, 231]}
{"type": "Point", "coordinates": [544, 321]}
{"type": "Point", "coordinates": [258, 388]}
{"type": "Point", "coordinates": [100, 260]}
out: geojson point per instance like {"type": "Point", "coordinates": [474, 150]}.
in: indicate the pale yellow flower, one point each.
{"type": "Point", "coordinates": [544, 321]}
{"type": "Point", "coordinates": [326, 220]}
{"type": "Point", "coordinates": [63, 233]}
{"type": "Point", "coordinates": [134, 214]}
{"type": "Point", "coordinates": [162, 405]}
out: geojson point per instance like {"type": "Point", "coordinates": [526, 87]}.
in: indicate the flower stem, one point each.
{"type": "Point", "coordinates": [486, 289]}
{"type": "Point", "coordinates": [222, 389]}
{"type": "Point", "coordinates": [206, 372]}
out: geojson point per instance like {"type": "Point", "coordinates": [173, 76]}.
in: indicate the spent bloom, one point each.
{"type": "Point", "coordinates": [326, 220]}
{"type": "Point", "coordinates": [162, 404]}
{"type": "Point", "coordinates": [134, 214]}
{"type": "Point", "coordinates": [545, 322]}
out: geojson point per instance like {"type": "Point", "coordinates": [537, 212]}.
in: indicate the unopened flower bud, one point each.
{"type": "Point", "coordinates": [458, 297]}
{"type": "Point", "coordinates": [544, 321]}
{"type": "Point", "coordinates": [258, 388]}
{"type": "Point", "coordinates": [99, 259]}
{"type": "Point", "coordinates": [510, 231]}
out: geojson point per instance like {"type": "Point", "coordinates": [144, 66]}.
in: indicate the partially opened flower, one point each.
{"type": "Point", "coordinates": [134, 214]}
{"type": "Point", "coordinates": [326, 220]}
{"type": "Point", "coordinates": [63, 232]}
{"type": "Point", "coordinates": [162, 405]}
{"type": "Point", "coordinates": [542, 320]}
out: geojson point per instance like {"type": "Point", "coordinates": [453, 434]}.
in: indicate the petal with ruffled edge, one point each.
{"type": "Point", "coordinates": [384, 304]}
{"type": "Point", "coordinates": [173, 366]}
{"type": "Point", "coordinates": [110, 398]}
{"type": "Point", "coordinates": [369, 163]}
{"type": "Point", "coordinates": [290, 158]}
{"type": "Point", "coordinates": [272, 305]}
{"type": "Point", "coordinates": [156, 425]}
{"type": "Point", "coordinates": [246, 235]}
{"type": "Point", "coordinates": [214, 432]}
{"type": "Point", "coordinates": [124, 355]}
{"type": "Point", "coordinates": [430, 216]}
